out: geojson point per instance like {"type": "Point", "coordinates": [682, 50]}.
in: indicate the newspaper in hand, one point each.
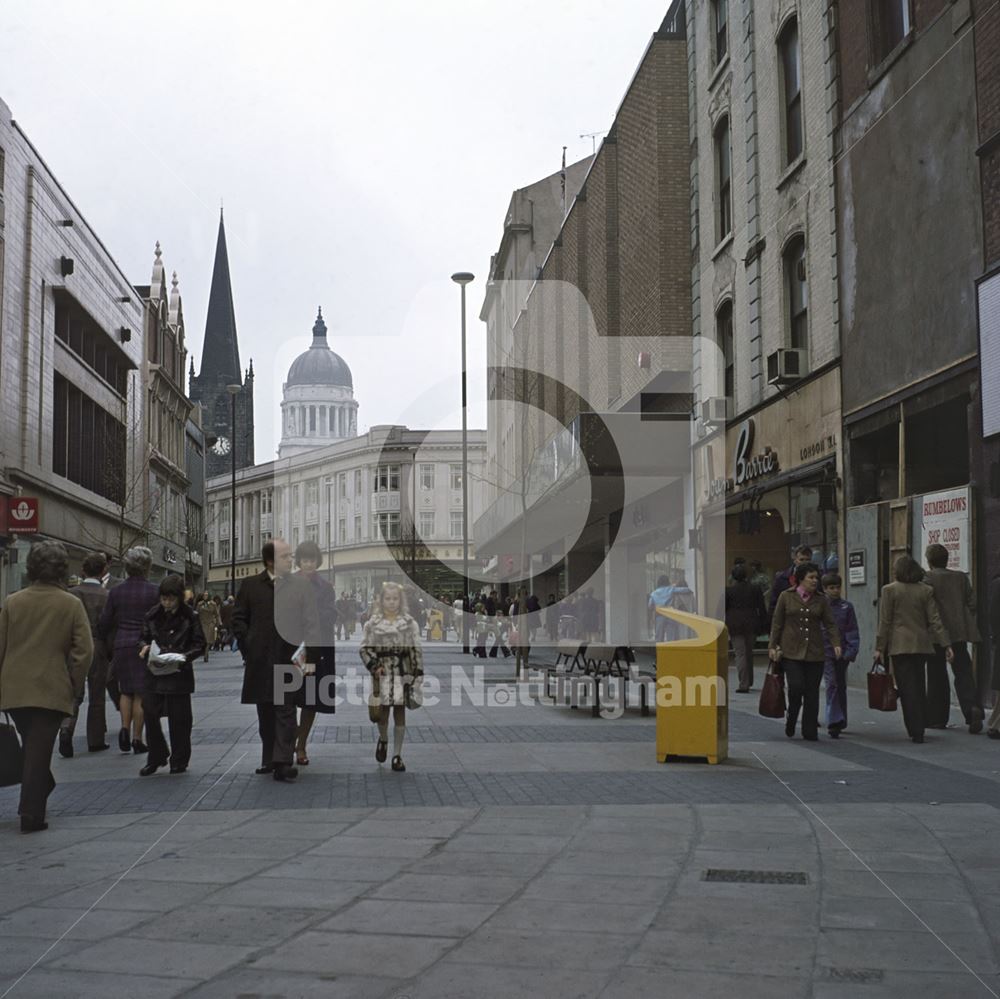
{"type": "Point", "coordinates": [299, 659]}
{"type": "Point", "coordinates": [164, 663]}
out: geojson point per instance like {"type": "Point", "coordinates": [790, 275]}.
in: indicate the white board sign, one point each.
{"type": "Point", "coordinates": [946, 521]}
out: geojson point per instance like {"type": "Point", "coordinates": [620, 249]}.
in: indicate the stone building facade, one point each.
{"type": "Point", "coordinates": [359, 499]}
{"type": "Point", "coordinates": [72, 407]}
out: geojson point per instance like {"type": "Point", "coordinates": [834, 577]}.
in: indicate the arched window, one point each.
{"type": "Point", "coordinates": [723, 180]}
{"type": "Point", "coordinates": [797, 292]}
{"type": "Point", "coordinates": [790, 56]}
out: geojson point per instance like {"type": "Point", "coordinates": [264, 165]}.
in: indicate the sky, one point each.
{"type": "Point", "coordinates": [364, 152]}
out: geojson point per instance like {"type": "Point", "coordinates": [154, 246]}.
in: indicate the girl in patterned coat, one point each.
{"type": "Point", "coordinates": [390, 650]}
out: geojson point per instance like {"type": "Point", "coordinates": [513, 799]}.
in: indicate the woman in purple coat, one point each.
{"type": "Point", "coordinates": [120, 627]}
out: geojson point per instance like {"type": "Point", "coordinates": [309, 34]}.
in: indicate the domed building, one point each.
{"type": "Point", "coordinates": [318, 405]}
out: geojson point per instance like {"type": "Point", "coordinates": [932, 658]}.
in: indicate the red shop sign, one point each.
{"type": "Point", "coordinates": [22, 515]}
{"type": "Point", "coordinates": [3, 514]}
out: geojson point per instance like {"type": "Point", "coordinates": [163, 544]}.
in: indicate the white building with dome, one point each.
{"type": "Point", "coordinates": [318, 405]}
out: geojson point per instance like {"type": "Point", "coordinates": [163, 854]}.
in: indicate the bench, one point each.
{"type": "Point", "coordinates": [588, 664]}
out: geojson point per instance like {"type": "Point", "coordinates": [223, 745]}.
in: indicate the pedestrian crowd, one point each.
{"type": "Point", "coordinates": [927, 621]}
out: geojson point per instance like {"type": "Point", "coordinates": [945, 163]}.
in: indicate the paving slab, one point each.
{"type": "Point", "coordinates": [158, 957]}
{"type": "Point", "coordinates": [442, 919]}
{"type": "Point", "coordinates": [331, 953]}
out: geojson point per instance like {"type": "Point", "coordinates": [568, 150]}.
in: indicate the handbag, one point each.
{"type": "Point", "coordinates": [882, 694]}
{"type": "Point", "coordinates": [772, 695]}
{"type": "Point", "coordinates": [11, 755]}
{"type": "Point", "coordinates": [414, 693]}
{"type": "Point", "coordinates": [374, 703]}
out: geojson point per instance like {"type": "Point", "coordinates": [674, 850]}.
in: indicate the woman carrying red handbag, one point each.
{"type": "Point", "coordinates": [797, 628]}
{"type": "Point", "coordinates": [909, 626]}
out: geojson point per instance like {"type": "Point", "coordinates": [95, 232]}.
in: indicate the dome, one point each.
{"type": "Point", "coordinates": [319, 365]}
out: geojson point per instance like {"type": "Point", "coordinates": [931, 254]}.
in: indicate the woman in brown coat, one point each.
{"type": "Point", "coordinates": [45, 651]}
{"type": "Point", "coordinates": [909, 625]}
{"type": "Point", "coordinates": [800, 615]}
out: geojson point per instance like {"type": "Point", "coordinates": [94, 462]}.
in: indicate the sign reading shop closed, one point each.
{"type": "Point", "coordinates": [945, 521]}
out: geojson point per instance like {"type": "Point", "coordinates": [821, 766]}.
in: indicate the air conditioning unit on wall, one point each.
{"type": "Point", "coordinates": [786, 365]}
{"type": "Point", "coordinates": [715, 412]}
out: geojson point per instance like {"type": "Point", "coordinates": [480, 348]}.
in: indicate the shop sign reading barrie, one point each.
{"type": "Point", "coordinates": [747, 467]}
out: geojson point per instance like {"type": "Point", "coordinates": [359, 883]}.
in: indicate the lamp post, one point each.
{"type": "Point", "coordinates": [234, 391]}
{"type": "Point", "coordinates": [463, 278]}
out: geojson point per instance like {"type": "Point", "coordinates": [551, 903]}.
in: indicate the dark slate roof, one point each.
{"type": "Point", "coordinates": [220, 355]}
{"type": "Point", "coordinates": [319, 365]}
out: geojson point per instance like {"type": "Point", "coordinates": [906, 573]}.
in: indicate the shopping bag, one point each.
{"type": "Point", "coordinates": [772, 695]}
{"type": "Point", "coordinates": [414, 697]}
{"type": "Point", "coordinates": [881, 689]}
{"type": "Point", "coordinates": [11, 756]}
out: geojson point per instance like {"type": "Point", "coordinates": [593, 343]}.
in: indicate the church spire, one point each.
{"type": "Point", "coordinates": [220, 354]}
{"type": "Point", "coordinates": [319, 330]}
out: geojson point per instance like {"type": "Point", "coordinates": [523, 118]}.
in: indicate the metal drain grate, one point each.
{"type": "Point", "coordinates": [856, 976]}
{"type": "Point", "coordinates": [733, 876]}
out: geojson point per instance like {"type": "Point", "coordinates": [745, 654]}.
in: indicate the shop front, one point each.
{"type": "Point", "coordinates": [770, 483]}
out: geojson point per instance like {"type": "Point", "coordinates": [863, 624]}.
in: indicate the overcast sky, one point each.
{"type": "Point", "coordinates": [364, 152]}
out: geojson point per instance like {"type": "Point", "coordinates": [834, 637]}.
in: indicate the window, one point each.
{"type": "Point", "coordinates": [75, 329]}
{"type": "Point", "coordinates": [724, 180]}
{"type": "Point", "coordinates": [88, 443]}
{"type": "Point", "coordinates": [357, 528]}
{"type": "Point", "coordinates": [791, 86]}
{"type": "Point", "coordinates": [455, 525]}
{"type": "Point", "coordinates": [890, 25]}
{"type": "Point", "coordinates": [342, 485]}
{"type": "Point", "coordinates": [387, 479]}
{"type": "Point", "coordinates": [456, 477]}
{"type": "Point", "coordinates": [798, 292]}
{"type": "Point", "coordinates": [357, 482]}
{"type": "Point", "coordinates": [312, 492]}
{"type": "Point", "coordinates": [427, 524]}
{"type": "Point", "coordinates": [342, 531]}
{"type": "Point", "coordinates": [387, 526]}
{"type": "Point", "coordinates": [724, 332]}
{"type": "Point", "coordinates": [224, 551]}
{"type": "Point", "coordinates": [295, 537]}
{"type": "Point", "coordinates": [426, 476]}
{"type": "Point", "coordinates": [720, 26]}
{"type": "Point", "coordinates": [312, 532]}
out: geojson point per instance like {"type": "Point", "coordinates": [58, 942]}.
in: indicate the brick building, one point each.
{"type": "Point", "coordinates": [763, 98]}
{"type": "Point", "coordinates": [911, 248]}
{"type": "Point", "coordinates": [598, 359]}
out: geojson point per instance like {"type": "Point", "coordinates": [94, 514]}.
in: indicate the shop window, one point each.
{"type": "Point", "coordinates": [790, 58]}
{"type": "Point", "coordinates": [875, 466]}
{"type": "Point", "coordinates": [723, 181]}
{"type": "Point", "coordinates": [937, 447]}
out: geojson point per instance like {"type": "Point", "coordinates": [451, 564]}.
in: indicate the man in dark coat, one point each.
{"type": "Point", "coordinates": [785, 580]}
{"type": "Point", "coordinates": [957, 604]}
{"type": "Point", "coordinates": [94, 596]}
{"type": "Point", "coordinates": [275, 614]}
{"type": "Point", "coordinates": [745, 618]}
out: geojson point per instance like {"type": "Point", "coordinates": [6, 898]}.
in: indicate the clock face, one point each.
{"type": "Point", "coordinates": [221, 446]}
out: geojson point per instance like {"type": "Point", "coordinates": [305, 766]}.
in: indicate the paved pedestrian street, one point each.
{"type": "Point", "coordinates": [529, 850]}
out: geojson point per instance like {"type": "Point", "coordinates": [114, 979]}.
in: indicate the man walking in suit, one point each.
{"type": "Point", "coordinates": [957, 604]}
{"type": "Point", "coordinates": [275, 614]}
{"type": "Point", "coordinates": [94, 597]}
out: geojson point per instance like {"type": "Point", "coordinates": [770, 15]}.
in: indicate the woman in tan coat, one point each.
{"type": "Point", "coordinates": [800, 616]}
{"type": "Point", "coordinates": [45, 651]}
{"type": "Point", "coordinates": [909, 626]}
{"type": "Point", "coordinates": [208, 616]}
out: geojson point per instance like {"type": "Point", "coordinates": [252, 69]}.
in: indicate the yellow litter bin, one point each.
{"type": "Point", "coordinates": [435, 626]}
{"type": "Point", "coordinates": [692, 696]}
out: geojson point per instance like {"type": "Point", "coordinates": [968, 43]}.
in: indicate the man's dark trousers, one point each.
{"type": "Point", "coordinates": [277, 725]}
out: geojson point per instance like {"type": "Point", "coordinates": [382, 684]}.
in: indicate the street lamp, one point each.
{"type": "Point", "coordinates": [463, 278]}
{"type": "Point", "coordinates": [234, 391]}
